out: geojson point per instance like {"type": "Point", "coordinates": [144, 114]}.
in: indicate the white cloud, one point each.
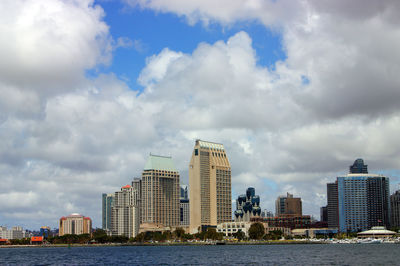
{"type": "Point", "coordinates": [76, 138]}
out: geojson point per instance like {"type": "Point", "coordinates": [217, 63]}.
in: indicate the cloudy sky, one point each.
{"type": "Point", "coordinates": [295, 90]}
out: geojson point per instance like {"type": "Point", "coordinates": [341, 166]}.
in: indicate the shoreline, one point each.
{"type": "Point", "coordinates": [168, 244]}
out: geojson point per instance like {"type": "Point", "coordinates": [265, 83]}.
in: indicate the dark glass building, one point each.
{"type": "Point", "coordinates": [358, 167]}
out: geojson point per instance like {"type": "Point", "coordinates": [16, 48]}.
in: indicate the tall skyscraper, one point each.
{"type": "Point", "coordinates": [107, 201]}
{"type": "Point", "coordinates": [333, 205]}
{"type": "Point", "coordinates": [160, 192]}
{"type": "Point", "coordinates": [209, 186]}
{"type": "Point", "coordinates": [395, 209]}
{"type": "Point", "coordinates": [288, 205]}
{"type": "Point", "coordinates": [75, 224]}
{"type": "Point", "coordinates": [362, 200]}
{"type": "Point", "coordinates": [125, 212]}
{"type": "Point", "coordinates": [247, 206]}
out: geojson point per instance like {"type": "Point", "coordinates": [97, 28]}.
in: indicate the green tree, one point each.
{"type": "Point", "coordinates": [240, 235]}
{"type": "Point", "coordinates": [256, 231]}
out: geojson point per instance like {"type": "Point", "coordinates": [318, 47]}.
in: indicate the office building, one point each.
{"type": "Point", "coordinates": [107, 202]}
{"type": "Point", "coordinates": [288, 205]}
{"type": "Point", "coordinates": [16, 232]}
{"type": "Point", "coordinates": [362, 199]}
{"type": "Point", "coordinates": [125, 211]}
{"type": "Point", "coordinates": [184, 192]}
{"type": "Point", "coordinates": [184, 207]}
{"type": "Point", "coordinates": [358, 167]}
{"type": "Point", "coordinates": [333, 205]}
{"type": "Point", "coordinates": [75, 224]}
{"type": "Point", "coordinates": [160, 192]}
{"type": "Point", "coordinates": [323, 214]}
{"type": "Point", "coordinates": [247, 206]}
{"type": "Point", "coordinates": [395, 209]}
{"type": "Point", "coordinates": [209, 186]}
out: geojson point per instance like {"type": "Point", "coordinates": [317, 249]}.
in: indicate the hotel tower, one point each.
{"type": "Point", "coordinates": [209, 186]}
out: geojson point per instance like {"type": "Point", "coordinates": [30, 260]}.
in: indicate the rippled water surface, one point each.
{"type": "Point", "coordinates": [338, 254]}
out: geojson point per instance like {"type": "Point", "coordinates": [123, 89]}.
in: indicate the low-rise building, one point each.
{"type": "Point", "coordinates": [376, 232]}
{"type": "Point", "coordinates": [75, 224]}
{"type": "Point", "coordinates": [230, 228]}
{"type": "Point", "coordinates": [314, 232]}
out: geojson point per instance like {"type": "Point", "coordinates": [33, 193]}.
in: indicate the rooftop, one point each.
{"type": "Point", "coordinates": [211, 145]}
{"type": "Point", "coordinates": [157, 162]}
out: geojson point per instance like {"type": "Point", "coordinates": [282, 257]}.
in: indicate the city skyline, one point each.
{"type": "Point", "coordinates": [295, 90]}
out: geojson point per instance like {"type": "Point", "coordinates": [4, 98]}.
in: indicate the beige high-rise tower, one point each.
{"type": "Point", "coordinates": [209, 186]}
{"type": "Point", "coordinates": [160, 192]}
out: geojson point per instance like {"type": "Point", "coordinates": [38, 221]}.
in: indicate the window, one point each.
{"type": "Point", "coordinates": [196, 152]}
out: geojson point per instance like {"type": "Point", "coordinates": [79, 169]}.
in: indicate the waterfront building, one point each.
{"type": "Point", "coordinates": [333, 205]}
{"type": "Point", "coordinates": [247, 206]}
{"type": "Point", "coordinates": [362, 199]}
{"type": "Point", "coordinates": [376, 232]}
{"type": "Point", "coordinates": [231, 228]}
{"type": "Point", "coordinates": [395, 209]}
{"type": "Point", "coordinates": [285, 205]}
{"type": "Point", "coordinates": [75, 224]}
{"type": "Point", "coordinates": [125, 211]}
{"type": "Point", "coordinates": [209, 186]}
{"type": "Point", "coordinates": [160, 192]}
{"type": "Point", "coordinates": [315, 232]}
{"type": "Point", "coordinates": [107, 203]}
{"type": "Point", "coordinates": [16, 232]}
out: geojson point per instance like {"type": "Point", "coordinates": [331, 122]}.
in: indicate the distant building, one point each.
{"type": "Point", "coordinates": [288, 221]}
{"type": "Point", "coordinates": [333, 205]}
{"type": "Point", "coordinates": [362, 200]}
{"type": "Point", "coordinates": [184, 207]}
{"type": "Point", "coordinates": [45, 232]}
{"type": "Point", "coordinates": [285, 205]}
{"type": "Point", "coordinates": [209, 185]}
{"type": "Point", "coordinates": [395, 209]}
{"type": "Point", "coordinates": [247, 206]}
{"type": "Point", "coordinates": [231, 228]}
{"type": "Point", "coordinates": [75, 224]}
{"type": "Point", "coordinates": [324, 214]}
{"type": "Point", "coordinates": [184, 192]}
{"type": "Point", "coordinates": [125, 212]}
{"type": "Point", "coordinates": [15, 232]}
{"type": "Point", "coordinates": [266, 213]}
{"type": "Point", "coordinates": [160, 192]}
{"type": "Point", "coordinates": [107, 203]}
{"type": "Point", "coordinates": [358, 167]}
{"type": "Point", "coordinates": [184, 212]}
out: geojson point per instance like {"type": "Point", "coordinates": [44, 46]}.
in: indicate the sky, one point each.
{"type": "Point", "coordinates": [296, 90]}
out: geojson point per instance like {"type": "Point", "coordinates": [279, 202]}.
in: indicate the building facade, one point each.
{"type": "Point", "coordinates": [15, 232]}
{"type": "Point", "coordinates": [160, 192]}
{"type": "Point", "coordinates": [333, 205]}
{"type": "Point", "coordinates": [107, 203]}
{"type": "Point", "coordinates": [209, 186]}
{"type": "Point", "coordinates": [247, 206]}
{"type": "Point", "coordinates": [285, 205]}
{"type": "Point", "coordinates": [184, 207]}
{"type": "Point", "coordinates": [362, 199]}
{"type": "Point", "coordinates": [75, 224]}
{"type": "Point", "coordinates": [395, 209]}
{"type": "Point", "coordinates": [125, 212]}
